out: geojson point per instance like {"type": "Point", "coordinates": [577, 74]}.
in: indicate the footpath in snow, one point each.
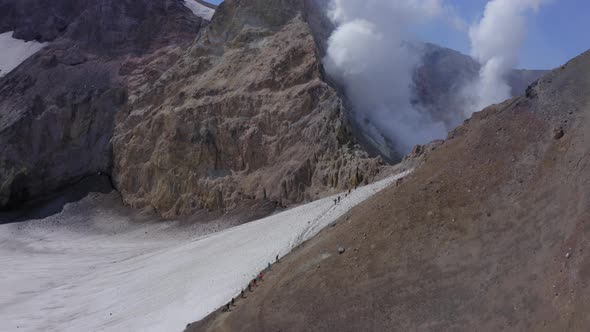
{"type": "Point", "coordinates": [90, 270]}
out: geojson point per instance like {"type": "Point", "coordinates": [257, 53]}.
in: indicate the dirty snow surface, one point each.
{"type": "Point", "coordinates": [14, 51]}
{"type": "Point", "coordinates": [200, 10]}
{"type": "Point", "coordinates": [91, 268]}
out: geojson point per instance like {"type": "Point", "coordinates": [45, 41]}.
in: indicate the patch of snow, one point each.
{"type": "Point", "coordinates": [90, 268]}
{"type": "Point", "coordinates": [14, 51]}
{"type": "Point", "coordinates": [200, 10]}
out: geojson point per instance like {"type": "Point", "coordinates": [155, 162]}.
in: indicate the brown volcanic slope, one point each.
{"type": "Point", "coordinates": [490, 234]}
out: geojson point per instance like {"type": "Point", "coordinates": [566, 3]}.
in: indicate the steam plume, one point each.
{"type": "Point", "coordinates": [496, 42]}
{"type": "Point", "coordinates": [368, 56]}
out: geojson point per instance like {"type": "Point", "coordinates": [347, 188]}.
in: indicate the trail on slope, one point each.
{"type": "Point", "coordinates": [92, 268]}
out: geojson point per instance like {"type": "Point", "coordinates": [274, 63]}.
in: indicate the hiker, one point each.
{"type": "Point", "coordinates": [250, 287]}
{"type": "Point", "coordinates": [277, 258]}
{"type": "Point", "coordinates": [269, 268]}
{"type": "Point", "coordinates": [242, 294]}
{"type": "Point", "coordinates": [254, 282]}
{"type": "Point", "coordinates": [334, 201]}
{"type": "Point", "coordinates": [233, 302]}
{"type": "Point", "coordinates": [227, 307]}
{"type": "Point", "coordinates": [338, 199]}
{"type": "Point", "coordinates": [260, 276]}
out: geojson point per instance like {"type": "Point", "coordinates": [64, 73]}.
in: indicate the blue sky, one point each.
{"type": "Point", "coordinates": [557, 33]}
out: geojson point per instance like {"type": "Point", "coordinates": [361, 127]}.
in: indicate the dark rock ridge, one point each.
{"type": "Point", "coordinates": [57, 110]}
{"type": "Point", "coordinates": [41, 20]}
{"type": "Point", "coordinates": [105, 25]}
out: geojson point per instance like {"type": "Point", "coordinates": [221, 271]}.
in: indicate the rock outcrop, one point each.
{"type": "Point", "coordinates": [244, 115]}
{"type": "Point", "coordinates": [57, 110]}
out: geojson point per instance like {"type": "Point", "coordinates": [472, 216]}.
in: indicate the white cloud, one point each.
{"type": "Point", "coordinates": [368, 55]}
{"type": "Point", "coordinates": [496, 41]}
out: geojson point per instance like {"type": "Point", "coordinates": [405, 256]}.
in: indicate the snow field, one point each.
{"type": "Point", "coordinates": [87, 269]}
{"type": "Point", "coordinates": [200, 10]}
{"type": "Point", "coordinates": [14, 51]}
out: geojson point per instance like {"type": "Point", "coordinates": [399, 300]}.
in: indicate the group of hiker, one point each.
{"type": "Point", "coordinates": [337, 199]}
{"type": "Point", "coordinates": [259, 278]}
{"type": "Point", "coordinates": [253, 283]}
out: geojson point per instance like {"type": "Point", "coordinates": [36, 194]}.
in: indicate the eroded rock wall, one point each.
{"type": "Point", "coordinates": [57, 110]}
{"type": "Point", "coordinates": [244, 115]}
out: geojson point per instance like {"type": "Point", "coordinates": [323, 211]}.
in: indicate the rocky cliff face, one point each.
{"type": "Point", "coordinates": [242, 115]}
{"type": "Point", "coordinates": [245, 115]}
{"type": "Point", "coordinates": [57, 110]}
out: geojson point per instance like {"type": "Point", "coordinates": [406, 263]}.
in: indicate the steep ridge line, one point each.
{"type": "Point", "coordinates": [490, 233]}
